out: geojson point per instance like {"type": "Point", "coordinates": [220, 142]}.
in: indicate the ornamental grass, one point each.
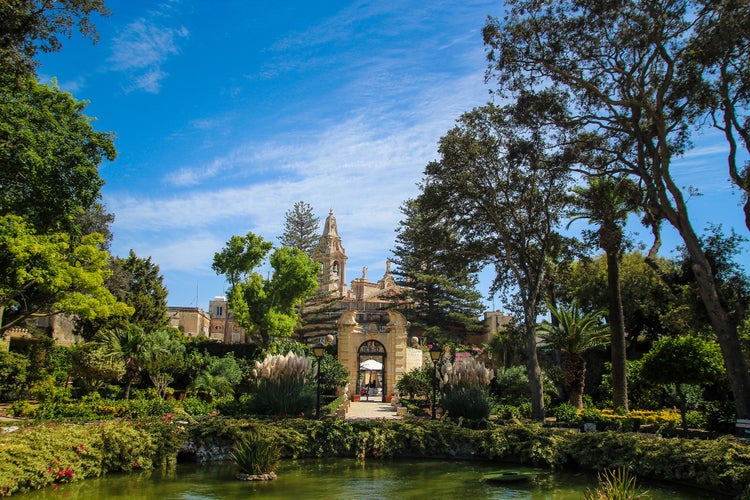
{"type": "Point", "coordinates": [281, 386]}
{"type": "Point", "coordinates": [464, 390]}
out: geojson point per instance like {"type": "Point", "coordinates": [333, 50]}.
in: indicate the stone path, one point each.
{"type": "Point", "coordinates": [371, 410]}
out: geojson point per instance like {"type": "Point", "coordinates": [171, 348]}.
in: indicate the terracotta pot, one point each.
{"type": "Point", "coordinates": [356, 397]}
{"type": "Point", "coordinates": [388, 398]}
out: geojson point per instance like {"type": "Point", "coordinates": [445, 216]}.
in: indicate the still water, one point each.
{"type": "Point", "coordinates": [341, 479]}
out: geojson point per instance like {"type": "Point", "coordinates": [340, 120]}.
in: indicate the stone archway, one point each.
{"type": "Point", "coordinates": [371, 379]}
{"type": "Point", "coordinates": [389, 330]}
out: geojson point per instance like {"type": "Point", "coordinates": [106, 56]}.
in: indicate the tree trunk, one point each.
{"type": "Point", "coordinates": [723, 325]}
{"type": "Point", "coordinates": [683, 407]}
{"type": "Point", "coordinates": [534, 372]}
{"type": "Point", "coordinates": [574, 370]}
{"type": "Point", "coordinates": [617, 333]}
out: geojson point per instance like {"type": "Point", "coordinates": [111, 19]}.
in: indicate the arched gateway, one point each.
{"type": "Point", "coordinates": [380, 336]}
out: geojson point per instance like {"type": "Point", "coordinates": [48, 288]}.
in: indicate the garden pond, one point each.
{"type": "Point", "coordinates": [344, 479]}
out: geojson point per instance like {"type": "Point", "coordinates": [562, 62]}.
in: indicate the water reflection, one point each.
{"type": "Point", "coordinates": [340, 479]}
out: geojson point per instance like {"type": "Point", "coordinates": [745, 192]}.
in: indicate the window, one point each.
{"type": "Point", "coordinates": [219, 310]}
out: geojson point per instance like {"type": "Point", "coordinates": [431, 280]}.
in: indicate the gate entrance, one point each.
{"type": "Point", "coordinates": [371, 377]}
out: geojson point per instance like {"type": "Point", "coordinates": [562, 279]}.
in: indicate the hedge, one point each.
{"type": "Point", "coordinates": [40, 456]}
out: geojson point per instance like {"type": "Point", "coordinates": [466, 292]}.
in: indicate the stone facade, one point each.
{"type": "Point", "coordinates": [223, 327]}
{"type": "Point", "coordinates": [192, 321]}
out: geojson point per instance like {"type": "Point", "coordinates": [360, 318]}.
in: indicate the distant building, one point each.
{"type": "Point", "coordinates": [191, 321]}
{"type": "Point", "coordinates": [223, 326]}
{"type": "Point", "coordinates": [494, 323]}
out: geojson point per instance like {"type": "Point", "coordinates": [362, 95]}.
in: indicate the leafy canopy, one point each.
{"type": "Point", "coordinates": [47, 274]}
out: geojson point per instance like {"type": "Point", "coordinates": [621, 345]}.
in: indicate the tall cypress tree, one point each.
{"type": "Point", "coordinates": [441, 286]}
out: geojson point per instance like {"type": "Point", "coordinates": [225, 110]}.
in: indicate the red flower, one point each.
{"type": "Point", "coordinates": [137, 464]}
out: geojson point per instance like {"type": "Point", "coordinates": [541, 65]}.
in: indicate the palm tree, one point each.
{"type": "Point", "coordinates": [218, 378]}
{"type": "Point", "coordinates": [607, 202]}
{"type": "Point", "coordinates": [131, 346]}
{"type": "Point", "coordinates": [574, 333]}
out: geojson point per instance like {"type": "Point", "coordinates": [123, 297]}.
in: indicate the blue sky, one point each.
{"type": "Point", "coordinates": [228, 113]}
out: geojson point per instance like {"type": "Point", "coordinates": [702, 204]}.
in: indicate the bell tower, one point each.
{"type": "Point", "coordinates": [333, 257]}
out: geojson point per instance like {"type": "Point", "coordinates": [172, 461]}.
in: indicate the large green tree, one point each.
{"type": "Point", "coordinates": [440, 286]}
{"type": "Point", "coordinates": [301, 229]}
{"type": "Point", "coordinates": [138, 283]}
{"type": "Point", "coordinates": [502, 184]}
{"type": "Point", "coordinates": [266, 308]}
{"type": "Point", "coordinates": [28, 26]}
{"type": "Point", "coordinates": [650, 301]}
{"type": "Point", "coordinates": [143, 289]}
{"type": "Point", "coordinates": [46, 274]}
{"type": "Point", "coordinates": [628, 69]}
{"type": "Point", "coordinates": [49, 157]}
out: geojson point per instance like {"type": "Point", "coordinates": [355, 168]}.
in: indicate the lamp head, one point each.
{"type": "Point", "coordinates": [318, 350]}
{"type": "Point", "coordinates": [435, 353]}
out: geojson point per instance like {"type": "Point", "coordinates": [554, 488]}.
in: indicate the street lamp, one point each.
{"type": "Point", "coordinates": [318, 351]}
{"type": "Point", "coordinates": [435, 353]}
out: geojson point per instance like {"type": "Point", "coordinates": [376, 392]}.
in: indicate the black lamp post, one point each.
{"type": "Point", "coordinates": [318, 351]}
{"type": "Point", "coordinates": [435, 353]}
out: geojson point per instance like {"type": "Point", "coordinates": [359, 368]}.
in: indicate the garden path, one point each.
{"type": "Point", "coordinates": [371, 410]}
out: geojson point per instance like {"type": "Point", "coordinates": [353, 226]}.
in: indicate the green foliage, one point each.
{"type": "Point", "coordinates": [567, 413]}
{"type": "Point", "coordinates": [301, 229]}
{"type": "Point", "coordinates": [266, 308]}
{"type": "Point", "coordinates": [282, 388]}
{"type": "Point", "coordinates": [441, 286]}
{"type": "Point", "coordinates": [674, 51]}
{"type": "Point", "coordinates": [256, 455]}
{"type": "Point", "coordinates": [13, 368]}
{"type": "Point", "coordinates": [511, 385]}
{"type": "Point", "coordinates": [719, 465]}
{"type": "Point", "coordinates": [650, 307]}
{"type": "Point", "coordinates": [197, 407]}
{"type": "Point", "coordinates": [416, 383]}
{"type": "Point", "coordinates": [333, 374]}
{"type": "Point", "coordinates": [616, 485]}
{"type": "Point", "coordinates": [92, 367]}
{"type": "Point", "coordinates": [683, 361]}
{"type": "Point", "coordinates": [35, 457]}
{"type": "Point", "coordinates": [283, 399]}
{"type": "Point", "coordinates": [51, 273]}
{"type": "Point", "coordinates": [29, 27]}
{"type": "Point", "coordinates": [466, 402]}
{"type": "Point", "coordinates": [574, 333]}
{"type": "Point", "coordinates": [47, 390]}
{"type": "Point", "coordinates": [500, 170]}
{"type": "Point", "coordinates": [218, 378]}
{"type": "Point", "coordinates": [144, 291]}
{"type": "Point", "coordinates": [48, 141]}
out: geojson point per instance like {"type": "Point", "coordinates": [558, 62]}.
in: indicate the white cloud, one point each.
{"type": "Point", "coordinates": [141, 49]}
